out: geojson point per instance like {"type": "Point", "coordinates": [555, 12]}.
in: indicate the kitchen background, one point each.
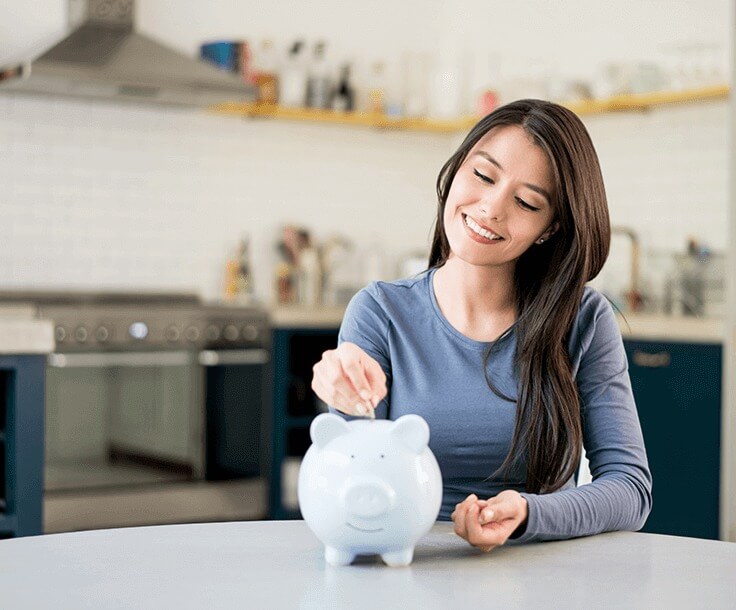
{"type": "Point", "coordinates": [115, 196]}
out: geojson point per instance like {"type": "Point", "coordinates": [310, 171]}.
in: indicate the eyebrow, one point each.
{"type": "Point", "coordinates": [533, 187]}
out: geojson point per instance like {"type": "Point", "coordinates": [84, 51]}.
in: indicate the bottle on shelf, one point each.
{"type": "Point", "coordinates": [293, 81]}
{"type": "Point", "coordinates": [245, 65]}
{"type": "Point", "coordinates": [344, 98]}
{"type": "Point", "coordinates": [310, 277]}
{"type": "Point", "coordinates": [415, 67]}
{"type": "Point", "coordinates": [484, 79]}
{"type": "Point", "coordinates": [446, 84]}
{"type": "Point", "coordinates": [267, 80]}
{"type": "Point", "coordinates": [238, 278]}
{"type": "Point", "coordinates": [377, 89]}
{"type": "Point", "coordinates": [319, 87]}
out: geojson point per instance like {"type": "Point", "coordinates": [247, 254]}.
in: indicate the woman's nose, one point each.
{"type": "Point", "coordinates": [493, 207]}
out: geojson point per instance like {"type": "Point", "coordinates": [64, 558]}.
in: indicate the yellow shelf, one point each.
{"type": "Point", "coordinates": [367, 119]}
{"type": "Point", "coordinates": [644, 101]}
{"type": "Point", "coordinates": [620, 103]}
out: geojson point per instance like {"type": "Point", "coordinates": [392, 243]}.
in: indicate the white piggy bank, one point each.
{"type": "Point", "coordinates": [369, 487]}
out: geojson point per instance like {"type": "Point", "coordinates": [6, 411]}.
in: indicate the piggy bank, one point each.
{"type": "Point", "coordinates": [369, 487]}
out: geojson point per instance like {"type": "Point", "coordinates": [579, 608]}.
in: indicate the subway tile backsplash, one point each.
{"type": "Point", "coordinates": [129, 197]}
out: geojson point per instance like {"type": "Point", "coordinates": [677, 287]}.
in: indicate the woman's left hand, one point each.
{"type": "Point", "coordinates": [487, 524]}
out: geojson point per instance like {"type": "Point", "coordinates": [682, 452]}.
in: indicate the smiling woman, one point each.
{"type": "Point", "coordinates": [513, 362]}
{"type": "Point", "coordinates": [489, 203]}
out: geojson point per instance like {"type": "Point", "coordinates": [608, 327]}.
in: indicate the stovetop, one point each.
{"type": "Point", "coordinates": [108, 321]}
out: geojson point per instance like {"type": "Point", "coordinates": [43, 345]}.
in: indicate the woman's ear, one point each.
{"type": "Point", "coordinates": [553, 228]}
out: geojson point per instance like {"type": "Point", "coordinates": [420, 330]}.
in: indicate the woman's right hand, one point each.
{"type": "Point", "coordinates": [349, 380]}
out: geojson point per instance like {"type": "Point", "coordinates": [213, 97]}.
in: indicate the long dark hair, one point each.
{"type": "Point", "coordinates": [549, 279]}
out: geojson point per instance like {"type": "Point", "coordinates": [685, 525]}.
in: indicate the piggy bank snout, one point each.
{"type": "Point", "coordinates": [368, 498]}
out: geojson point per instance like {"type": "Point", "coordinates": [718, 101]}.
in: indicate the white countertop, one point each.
{"type": "Point", "coordinates": [652, 327]}
{"type": "Point", "coordinates": [657, 327]}
{"type": "Point", "coordinates": [280, 564]}
{"type": "Point", "coordinates": [296, 316]}
{"type": "Point", "coordinates": [20, 334]}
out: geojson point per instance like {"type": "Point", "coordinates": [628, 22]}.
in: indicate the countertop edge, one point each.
{"type": "Point", "coordinates": [21, 337]}
{"type": "Point", "coordinates": [649, 327]}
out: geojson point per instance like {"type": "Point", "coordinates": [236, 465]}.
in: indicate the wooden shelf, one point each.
{"type": "Point", "coordinates": [645, 101]}
{"type": "Point", "coordinates": [620, 103]}
{"type": "Point", "coordinates": [366, 119]}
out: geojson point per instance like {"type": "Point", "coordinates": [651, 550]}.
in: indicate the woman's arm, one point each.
{"type": "Point", "coordinates": [620, 496]}
{"type": "Point", "coordinates": [365, 324]}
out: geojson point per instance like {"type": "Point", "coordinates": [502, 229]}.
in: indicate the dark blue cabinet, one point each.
{"type": "Point", "coordinates": [295, 352]}
{"type": "Point", "coordinates": [21, 445]}
{"type": "Point", "coordinates": [677, 387]}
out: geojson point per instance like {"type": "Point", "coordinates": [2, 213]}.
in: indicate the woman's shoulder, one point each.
{"type": "Point", "coordinates": [595, 318]}
{"type": "Point", "coordinates": [388, 295]}
{"type": "Point", "coordinates": [593, 304]}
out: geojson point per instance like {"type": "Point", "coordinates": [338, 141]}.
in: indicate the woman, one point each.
{"type": "Point", "coordinates": [513, 361]}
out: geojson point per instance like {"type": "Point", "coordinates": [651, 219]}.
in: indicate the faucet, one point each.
{"type": "Point", "coordinates": [633, 295]}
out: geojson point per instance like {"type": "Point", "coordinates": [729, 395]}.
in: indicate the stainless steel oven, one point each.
{"type": "Point", "coordinates": [236, 365]}
{"type": "Point", "coordinates": [144, 389]}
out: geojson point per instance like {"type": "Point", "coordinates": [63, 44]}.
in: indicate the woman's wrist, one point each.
{"type": "Point", "coordinates": [521, 528]}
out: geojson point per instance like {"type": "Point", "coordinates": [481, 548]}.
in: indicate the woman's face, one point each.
{"type": "Point", "coordinates": [499, 202]}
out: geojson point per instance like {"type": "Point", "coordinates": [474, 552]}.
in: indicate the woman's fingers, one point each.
{"type": "Point", "coordinates": [499, 511]}
{"type": "Point", "coordinates": [341, 379]}
{"type": "Point", "coordinates": [354, 371]}
{"type": "Point", "coordinates": [331, 385]}
{"type": "Point", "coordinates": [472, 525]}
{"type": "Point", "coordinates": [459, 515]}
{"type": "Point", "coordinates": [376, 380]}
{"type": "Point", "coordinates": [484, 539]}
{"type": "Point", "coordinates": [506, 505]}
{"type": "Point", "coordinates": [364, 372]}
{"type": "Point", "coordinates": [334, 398]}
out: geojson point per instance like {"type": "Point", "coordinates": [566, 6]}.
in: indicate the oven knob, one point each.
{"type": "Point", "coordinates": [102, 334]}
{"type": "Point", "coordinates": [250, 332]}
{"type": "Point", "coordinates": [192, 333]}
{"type": "Point", "coordinates": [81, 334]}
{"type": "Point", "coordinates": [231, 332]}
{"type": "Point", "coordinates": [172, 333]}
{"type": "Point", "coordinates": [213, 332]}
{"type": "Point", "coordinates": [60, 334]}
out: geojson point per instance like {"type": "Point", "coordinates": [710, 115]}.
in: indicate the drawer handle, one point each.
{"type": "Point", "coordinates": [652, 361]}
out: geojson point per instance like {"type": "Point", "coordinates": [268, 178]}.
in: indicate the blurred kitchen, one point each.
{"type": "Point", "coordinates": [193, 218]}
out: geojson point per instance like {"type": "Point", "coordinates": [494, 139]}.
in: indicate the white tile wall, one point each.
{"type": "Point", "coordinates": [113, 196]}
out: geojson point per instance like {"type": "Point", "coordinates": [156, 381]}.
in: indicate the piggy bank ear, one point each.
{"type": "Point", "coordinates": [412, 431]}
{"type": "Point", "coordinates": [327, 426]}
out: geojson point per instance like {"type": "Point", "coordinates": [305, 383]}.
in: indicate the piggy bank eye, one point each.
{"type": "Point", "coordinates": [382, 456]}
{"type": "Point", "coordinates": [352, 457]}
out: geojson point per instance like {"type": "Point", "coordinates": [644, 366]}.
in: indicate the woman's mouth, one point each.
{"type": "Point", "coordinates": [478, 233]}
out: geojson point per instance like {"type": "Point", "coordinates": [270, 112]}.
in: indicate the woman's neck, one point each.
{"type": "Point", "coordinates": [478, 301]}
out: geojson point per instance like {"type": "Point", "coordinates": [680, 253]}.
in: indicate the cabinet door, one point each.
{"type": "Point", "coordinates": [677, 388]}
{"type": "Point", "coordinates": [235, 405]}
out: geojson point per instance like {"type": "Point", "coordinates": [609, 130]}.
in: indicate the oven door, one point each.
{"type": "Point", "coordinates": [237, 395]}
{"type": "Point", "coordinates": [145, 405]}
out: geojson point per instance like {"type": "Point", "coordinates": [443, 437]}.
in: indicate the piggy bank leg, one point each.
{"type": "Point", "coordinates": [337, 557]}
{"type": "Point", "coordinates": [397, 559]}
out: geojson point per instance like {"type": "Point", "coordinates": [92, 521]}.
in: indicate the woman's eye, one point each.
{"type": "Point", "coordinates": [524, 204]}
{"type": "Point", "coordinates": [482, 177]}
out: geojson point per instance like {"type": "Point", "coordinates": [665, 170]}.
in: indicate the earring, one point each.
{"type": "Point", "coordinates": [540, 240]}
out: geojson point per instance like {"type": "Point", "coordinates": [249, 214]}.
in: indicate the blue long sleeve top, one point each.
{"type": "Point", "coordinates": [437, 372]}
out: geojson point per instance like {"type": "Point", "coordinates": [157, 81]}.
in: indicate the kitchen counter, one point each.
{"type": "Point", "coordinates": [280, 564]}
{"type": "Point", "coordinates": [296, 316]}
{"type": "Point", "coordinates": [658, 327]}
{"type": "Point", "coordinates": [21, 335]}
{"type": "Point", "coordinates": [655, 327]}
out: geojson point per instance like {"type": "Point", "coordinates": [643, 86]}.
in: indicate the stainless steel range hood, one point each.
{"type": "Point", "coordinates": [104, 57]}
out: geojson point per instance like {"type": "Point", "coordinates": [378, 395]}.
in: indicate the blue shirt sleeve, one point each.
{"type": "Point", "coordinates": [620, 496]}
{"type": "Point", "coordinates": [366, 324]}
